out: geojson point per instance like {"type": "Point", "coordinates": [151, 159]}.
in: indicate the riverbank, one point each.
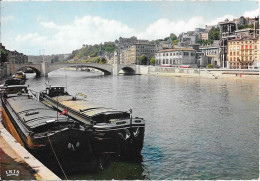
{"type": "Point", "coordinates": [209, 76]}
{"type": "Point", "coordinates": [201, 73]}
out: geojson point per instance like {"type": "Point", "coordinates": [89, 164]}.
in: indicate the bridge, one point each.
{"type": "Point", "coordinates": [42, 69]}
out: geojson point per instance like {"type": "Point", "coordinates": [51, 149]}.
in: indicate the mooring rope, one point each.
{"type": "Point", "coordinates": [57, 159]}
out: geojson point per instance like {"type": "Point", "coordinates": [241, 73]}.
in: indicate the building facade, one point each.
{"type": "Point", "coordinates": [176, 57]}
{"type": "Point", "coordinates": [212, 56]}
{"type": "Point", "coordinates": [227, 33]}
{"type": "Point", "coordinates": [16, 57]}
{"type": "Point", "coordinates": [131, 54]}
{"type": "Point", "coordinates": [243, 53]}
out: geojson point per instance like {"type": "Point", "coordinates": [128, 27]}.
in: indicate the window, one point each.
{"type": "Point", "coordinates": [170, 54]}
{"type": "Point", "coordinates": [173, 54]}
{"type": "Point", "coordinates": [185, 53]}
{"type": "Point", "coordinates": [166, 54]}
{"type": "Point", "coordinates": [230, 58]}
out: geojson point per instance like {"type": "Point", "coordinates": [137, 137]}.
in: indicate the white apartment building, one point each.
{"type": "Point", "coordinates": [176, 57]}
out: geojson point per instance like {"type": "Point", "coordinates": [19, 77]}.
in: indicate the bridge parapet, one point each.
{"type": "Point", "coordinates": [42, 69]}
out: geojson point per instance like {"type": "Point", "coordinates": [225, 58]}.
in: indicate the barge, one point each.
{"type": "Point", "coordinates": [41, 130]}
{"type": "Point", "coordinates": [114, 132]}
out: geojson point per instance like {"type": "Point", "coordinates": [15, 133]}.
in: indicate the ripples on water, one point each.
{"type": "Point", "coordinates": [195, 128]}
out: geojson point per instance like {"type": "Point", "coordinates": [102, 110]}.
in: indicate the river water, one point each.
{"type": "Point", "coordinates": [195, 128]}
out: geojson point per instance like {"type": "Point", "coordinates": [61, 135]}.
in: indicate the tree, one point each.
{"type": "Point", "coordinates": [173, 37]}
{"type": "Point", "coordinates": [152, 61]}
{"type": "Point", "coordinates": [109, 47]}
{"type": "Point", "coordinates": [214, 34]}
{"type": "Point", "coordinates": [175, 42]}
{"type": "Point", "coordinates": [101, 60]}
{"type": "Point", "coordinates": [3, 55]}
{"type": "Point", "coordinates": [143, 59]}
{"type": "Point", "coordinates": [210, 66]}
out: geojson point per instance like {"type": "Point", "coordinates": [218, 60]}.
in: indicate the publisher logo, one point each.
{"type": "Point", "coordinates": [12, 173]}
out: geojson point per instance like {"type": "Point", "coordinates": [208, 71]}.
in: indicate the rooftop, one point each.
{"type": "Point", "coordinates": [177, 49]}
{"type": "Point", "coordinates": [245, 38]}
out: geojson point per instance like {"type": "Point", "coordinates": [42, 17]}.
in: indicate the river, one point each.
{"type": "Point", "coordinates": [195, 128]}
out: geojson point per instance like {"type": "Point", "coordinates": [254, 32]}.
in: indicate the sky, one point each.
{"type": "Point", "coordinates": [56, 27]}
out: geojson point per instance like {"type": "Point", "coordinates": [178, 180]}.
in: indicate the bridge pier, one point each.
{"type": "Point", "coordinates": [44, 72]}
{"type": "Point", "coordinates": [114, 69]}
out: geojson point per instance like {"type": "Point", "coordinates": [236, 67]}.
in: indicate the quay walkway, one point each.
{"type": "Point", "coordinates": [16, 163]}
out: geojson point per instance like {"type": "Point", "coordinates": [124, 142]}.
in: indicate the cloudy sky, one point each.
{"type": "Point", "coordinates": [52, 27]}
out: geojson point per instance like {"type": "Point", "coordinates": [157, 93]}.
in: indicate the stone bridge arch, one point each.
{"type": "Point", "coordinates": [38, 72]}
{"type": "Point", "coordinates": [127, 71]}
{"type": "Point", "coordinates": [106, 68]}
{"type": "Point", "coordinates": [36, 67]}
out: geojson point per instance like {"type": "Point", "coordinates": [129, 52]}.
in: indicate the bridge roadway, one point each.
{"type": "Point", "coordinates": [42, 69]}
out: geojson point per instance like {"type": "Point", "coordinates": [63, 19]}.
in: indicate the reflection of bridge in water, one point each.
{"type": "Point", "coordinates": [42, 69]}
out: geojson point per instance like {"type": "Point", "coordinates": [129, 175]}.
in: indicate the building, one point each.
{"type": "Point", "coordinates": [176, 57]}
{"type": "Point", "coordinates": [188, 38]}
{"type": "Point", "coordinates": [125, 42]}
{"type": "Point", "coordinates": [227, 33]}
{"type": "Point", "coordinates": [201, 59]}
{"type": "Point", "coordinates": [211, 56]}
{"type": "Point", "coordinates": [12, 56]}
{"type": "Point", "coordinates": [244, 21]}
{"type": "Point", "coordinates": [47, 58]}
{"type": "Point", "coordinates": [131, 54]}
{"type": "Point", "coordinates": [205, 36]}
{"type": "Point", "coordinates": [243, 53]}
{"type": "Point", "coordinates": [16, 57]}
{"type": "Point", "coordinates": [229, 30]}
{"type": "Point", "coordinates": [163, 45]}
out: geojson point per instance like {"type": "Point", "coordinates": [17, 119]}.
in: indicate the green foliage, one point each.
{"type": "Point", "coordinates": [100, 60]}
{"type": "Point", "coordinates": [214, 34]}
{"type": "Point", "coordinates": [3, 55]}
{"type": "Point", "coordinates": [173, 37]}
{"type": "Point", "coordinates": [175, 42]}
{"type": "Point", "coordinates": [205, 42]}
{"type": "Point", "coordinates": [240, 27]}
{"type": "Point", "coordinates": [109, 47]}
{"type": "Point", "coordinates": [92, 50]}
{"type": "Point", "coordinates": [143, 59]}
{"type": "Point", "coordinates": [152, 61]}
{"type": "Point", "coordinates": [210, 66]}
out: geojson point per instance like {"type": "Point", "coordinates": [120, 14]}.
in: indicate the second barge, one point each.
{"type": "Point", "coordinates": [114, 132]}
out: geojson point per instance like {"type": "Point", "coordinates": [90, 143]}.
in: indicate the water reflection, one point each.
{"type": "Point", "coordinates": [195, 128]}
